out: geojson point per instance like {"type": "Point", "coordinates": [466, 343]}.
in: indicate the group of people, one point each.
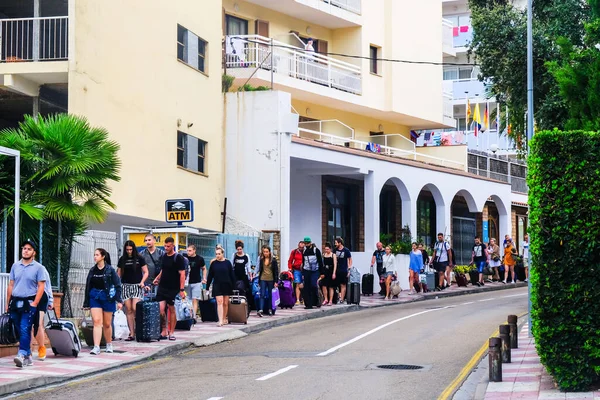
{"type": "Point", "coordinates": [492, 256]}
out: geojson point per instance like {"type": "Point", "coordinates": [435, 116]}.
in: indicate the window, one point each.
{"type": "Point", "coordinates": [235, 25]}
{"type": "Point", "coordinates": [191, 49]}
{"type": "Point", "coordinates": [341, 214]}
{"type": "Point", "coordinates": [374, 55]}
{"type": "Point", "coordinates": [191, 153]}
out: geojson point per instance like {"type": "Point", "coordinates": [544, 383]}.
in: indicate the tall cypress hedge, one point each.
{"type": "Point", "coordinates": [564, 200]}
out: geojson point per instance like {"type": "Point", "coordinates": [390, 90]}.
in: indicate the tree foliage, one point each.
{"type": "Point", "coordinates": [499, 47]}
{"type": "Point", "coordinates": [563, 184]}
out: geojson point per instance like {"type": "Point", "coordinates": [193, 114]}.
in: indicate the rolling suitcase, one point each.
{"type": "Point", "coordinates": [86, 326]}
{"type": "Point", "coordinates": [63, 336]}
{"type": "Point", "coordinates": [8, 331]}
{"type": "Point", "coordinates": [184, 325]}
{"type": "Point", "coordinates": [286, 295]}
{"type": "Point", "coordinates": [367, 283]}
{"type": "Point", "coordinates": [474, 277]}
{"type": "Point", "coordinates": [238, 309]}
{"type": "Point", "coordinates": [208, 310]}
{"type": "Point", "coordinates": [461, 279]}
{"type": "Point", "coordinates": [353, 293]}
{"type": "Point", "coordinates": [147, 321]}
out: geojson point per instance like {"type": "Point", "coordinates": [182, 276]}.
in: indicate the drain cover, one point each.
{"type": "Point", "coordinates": [399, 366]}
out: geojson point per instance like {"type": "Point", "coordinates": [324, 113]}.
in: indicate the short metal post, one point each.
{"type": "Point", "coordinates": [495, 359]}
{"type": "Point", "coordinates": [514, 334]}
{"type": "Point", "coordinates": [505, 337]}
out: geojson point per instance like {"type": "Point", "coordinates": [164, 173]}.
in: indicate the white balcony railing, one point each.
{"type": "Point", "coordinates": [387, 150]}
{"type": "Point", "coordinates": [253, 51]}
{"type": "Point", "coordinates": [349, 5]}
{"type": "Point", "coordinates": [461, 88]}
{"type": "Point", "coordinates": [448, 106]}
{"type": "Point", "coordinates": [34, 39]}
{"type": "Point", "coordinates": [447, 34]}
{"type": "Point", "coordinates": [4, 279]}
{"type": "Point", "coordinates": [483, 141]}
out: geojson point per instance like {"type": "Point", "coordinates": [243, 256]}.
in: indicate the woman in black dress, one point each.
{"type": "Point", "coordinates": [220, 274]}
{"type": "Point", "coordinates": [328, 274]}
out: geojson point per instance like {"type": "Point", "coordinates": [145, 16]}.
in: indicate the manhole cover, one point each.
{"type": "Point", "coordinates": [399, 366]}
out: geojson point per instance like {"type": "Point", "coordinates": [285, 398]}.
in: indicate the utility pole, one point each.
{"type": "Point", "coordinates": [529, 110]}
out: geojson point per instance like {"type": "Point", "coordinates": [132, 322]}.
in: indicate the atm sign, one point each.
{"type": "Point", "coordinates": [179, 210]}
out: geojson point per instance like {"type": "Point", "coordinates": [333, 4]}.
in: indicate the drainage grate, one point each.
{"type": "Point", "coordinates": [399, 366]}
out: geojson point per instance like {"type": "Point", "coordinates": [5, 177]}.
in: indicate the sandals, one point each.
{"type": "Point", "coordinates": [130, 339]}
{"type": "Point", "coordinates": [171, 337]}
{"type": "Point", "coordinates": [163, 337]}
{"type": "Point", "coordinates": [325, 303]}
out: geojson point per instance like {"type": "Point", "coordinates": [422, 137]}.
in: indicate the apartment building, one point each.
{"type": "Point", "coordinates": [148, 72]}
{"type": "Point", "coordinates": [329, 151]}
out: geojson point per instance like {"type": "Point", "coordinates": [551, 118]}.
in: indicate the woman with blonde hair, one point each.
{"type": "Point", "coordinates": [268, 273]}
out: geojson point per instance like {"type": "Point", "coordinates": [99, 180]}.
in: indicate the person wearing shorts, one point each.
{"type": "Point", "coordinates": [103, 298]}
{"type": "Point", "coordinates": [197, 276]}
{"type": "Point", "coordinates": [171, 282]}
{"type": "Point", "coordinates": [46, 303]}
{"type": "Point", "coordinates": [133, 271]}
{"type": "Point", "coordinates": [415, 267]}
{"type": "Point", "coordinates": [442, 261]}
{"type": "Point", "coordinates": [525, 254]}
{"type": "Point", "coordinates": [387, 263]}
{"type": "Point", "coordinates": [344, 262]}
{"type": "Point", "coordinates": [479, 258]}
{"type": "Point", "coordinates": [495, 259]}
{"type": "Point", "coordinates": [295, 265]}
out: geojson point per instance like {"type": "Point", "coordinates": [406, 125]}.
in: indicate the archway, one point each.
{"type": "Point", "coordinates": [464, 225]}
{"type": "Point", "coordinates": [393, 216]}
{"type": "Point", "coordinates": [430, 209]}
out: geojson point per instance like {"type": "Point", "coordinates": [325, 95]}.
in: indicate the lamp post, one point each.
{"type": "Point", "coordinates": [17, 155]}
{"type": "Point", "coordinates": [529, 111]}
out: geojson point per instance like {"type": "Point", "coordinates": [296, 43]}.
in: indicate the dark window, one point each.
{"type": "Point", "coordinates": [387, 212]}
{"type": "Point", "coordinates": [191, 49]}
{"type": "Point", "coordinates": [235, 25]}
{"type": "Point", "coordinates": [191, 153]}
{"type": "Point", "coordinates": [426, 219]}
{"type": "Point", "coordinates": [374, 52]}
{"type": "Point", "coordinates": [341, 214]}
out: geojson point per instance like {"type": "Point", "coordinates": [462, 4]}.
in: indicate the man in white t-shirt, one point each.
{"type": "Point", "coordinates": [442, 261]}
{"type": "Point", "coordinates": [525, 254]}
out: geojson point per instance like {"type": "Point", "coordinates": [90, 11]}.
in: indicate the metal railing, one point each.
{"type": "Point", "coordinates": [329, 125]}
{"type": "Point", "coordinates": [387, 150]}
{"type": "Point", "coordinates": [383, 140]}
{"type": "Point", "coordinates": [447, 34]}
{"type": "Point", "coordinates": [448, 106]}
{"type": "Point", "coordinates": [483, 141]}
{"type": "Point", "coordinates": [4, 279]}
{"type": "Point", "coordinates": [348, 5]}
{"type": "Point", "coordinates": [253, 51]}
{"type": "Point", "coordinates": [459, 89]}
{"type": "Point", "coordinates": [34, 39]}
{"type": "Point", "coordinates": [517, 184]}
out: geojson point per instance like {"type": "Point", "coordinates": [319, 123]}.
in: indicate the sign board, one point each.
{"type": "Point", "coordinates": [486, 232]}
{"type": "Point", "coordinates": [179, 210]}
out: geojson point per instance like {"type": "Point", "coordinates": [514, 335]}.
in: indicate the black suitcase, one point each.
{"type": "Point", "coordinates": [367, 283]}
{"type": "Point", "coordinates": [184, 325]}
{"type": "Point", "coordinates": [353, 293]}
{"type": "Point", "coordinates": [147, 321]}
{"type": "Point", "coordinates": [474, 276]}
{"type": "Point", "coordinates": [8, 331]}
{"type": "Point", "coordinates": [520, 272]}
{"type": "Point", "coordinates": [208, 310]}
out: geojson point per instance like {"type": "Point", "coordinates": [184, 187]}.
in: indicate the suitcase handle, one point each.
{"type": "Point", "coordinates": [53, 313]}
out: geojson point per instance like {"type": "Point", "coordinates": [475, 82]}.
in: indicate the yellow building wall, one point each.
{"type": "Point", "coordinates": [458, 154]}
{"type": "Point", "coordinates": [124, 75]}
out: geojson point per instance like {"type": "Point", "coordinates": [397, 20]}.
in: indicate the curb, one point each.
{"type": "Point", "coordinates": [41, 381]}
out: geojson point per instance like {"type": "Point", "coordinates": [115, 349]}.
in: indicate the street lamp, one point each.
{"type": "Point", "coordinates": [529, 108]}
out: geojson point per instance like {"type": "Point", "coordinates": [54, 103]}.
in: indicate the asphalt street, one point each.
{"type": "Point", "coordinates": [332, 357]}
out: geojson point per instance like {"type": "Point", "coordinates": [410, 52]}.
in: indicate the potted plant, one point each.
{"type": "Point", "coordinates": [460, 276]}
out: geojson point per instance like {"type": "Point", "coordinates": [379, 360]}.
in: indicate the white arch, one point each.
{"type": "Point", "coordinates": [436, 193]}
{"type": "Point", "coordinates": [401, 186]}
{"type": "Point", "coordinates": [504, 217]}
{"type": "Point", "coordinates": [471, 203]}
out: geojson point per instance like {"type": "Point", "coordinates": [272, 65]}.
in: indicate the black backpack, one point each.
{"type": "Point", "coordinates": [8, 333]}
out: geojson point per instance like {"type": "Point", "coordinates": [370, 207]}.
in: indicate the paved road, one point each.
{"type": "Point", "coordinates": [328, 358]}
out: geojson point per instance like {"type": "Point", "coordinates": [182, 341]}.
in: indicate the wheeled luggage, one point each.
{"type": "Point", "coordinates": [63, 336]}
{"type": "Point", "coordinates": [147, 321]}
{"type": "Point", "coordinates": [208, 310]}
{"type": "Point", "coordinates": [184, 325]}
{"type": "Point", "coordinates": [367, 283]}
{"type": "Point", "coordinates": [286, 295]}
{"type": "Point", "coordinates": [238, 309]}
{"type": "Point", "coordinates": [395, 288]}
{"type": "Point", "coordinates": [474, 276]}
{"type": "Point", "coordinates": [461, 279]}
{"type": "Point", "coordinates": [86, 325]}
{"type": "Point", "coordinates": [8, 331]}
{"type": "Point", "coordinates": [353, 293]}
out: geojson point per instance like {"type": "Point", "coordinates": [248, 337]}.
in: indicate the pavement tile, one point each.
{"type": "Point", "coordinates": [526, 386]}
{"type": "Point", "coordinates": [581, 395]}
{"type": "Point", "coordinates": [500, 387]}
{"type": "Point", "coordinates": [551, 395]}
{"type": "Point", "coordinates": [496, 396]}
{"type": "Point", "coordinates": [533, 395]}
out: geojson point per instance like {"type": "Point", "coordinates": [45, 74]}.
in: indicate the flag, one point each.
{"type": "Point", "coordinates": [498, 118]}
{"type": "Point", "coordinates": [414, 136]}
{"type": "Point", "coordinates": [455, 31]}
{"type": "Point", "coordinates": [486, 117]}
{"type": "Point", "coordinates": [477, 119]}
{"type": "Point", "coordinates": [468, 111]}
{"type": "Point", "coordinates": [427, 136]}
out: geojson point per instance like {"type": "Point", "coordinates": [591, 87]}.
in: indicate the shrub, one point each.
{"type": "Point", "coordinates": [226, 82]}
{"type": "Point", "coordinates": [564, 184]}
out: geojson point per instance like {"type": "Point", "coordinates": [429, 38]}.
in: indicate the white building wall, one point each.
{"type": "Point", "coordinates": [306, 209]}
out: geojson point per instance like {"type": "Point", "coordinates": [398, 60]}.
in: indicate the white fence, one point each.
{"type": "Point", "coordinates": [349, 5]}
{"type": "Point", "coordinates": [447, 34]}
{"type": "Point", "coordinates": [253, 51]}
{"type": "Point", "coordinates": [34, 39]}
{"type": "Point", "coordinates": [4, 278]}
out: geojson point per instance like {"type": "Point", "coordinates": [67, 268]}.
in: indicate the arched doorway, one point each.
{"type": "Point", "coordinates": [464, 227]}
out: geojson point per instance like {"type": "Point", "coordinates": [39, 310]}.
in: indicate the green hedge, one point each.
{"type": "Point", "coordinates": [564, 199]}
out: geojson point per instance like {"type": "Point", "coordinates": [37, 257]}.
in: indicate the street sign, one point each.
{"type": "Point", "coordinates": [179, 210]}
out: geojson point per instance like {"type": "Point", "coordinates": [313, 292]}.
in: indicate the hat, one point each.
{"type": "Point", "coordinates": [29, 242]}
{"type": "Point", "coordinates": [307, 239]}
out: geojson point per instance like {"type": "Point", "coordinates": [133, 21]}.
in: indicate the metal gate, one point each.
{"type": "Point", "coordinates": [463, 233]}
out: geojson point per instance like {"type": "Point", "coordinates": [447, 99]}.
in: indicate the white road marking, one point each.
{"type": "Point", "coordinates": [281, 371]}
{"type": "Point", "coordinates": [215, 398]}
{"type": "Point", "coordinates": [467, 303]}
{"type": "Point", "coordinates": [493, 298]}
{"type": "Point", "coordinates": [372, 331]}
{"type": "Point", "coordinates": [515, 295]}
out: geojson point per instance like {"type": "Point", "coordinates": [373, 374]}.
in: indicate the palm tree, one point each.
{"type": "Point", "coordinates": [66, 168]}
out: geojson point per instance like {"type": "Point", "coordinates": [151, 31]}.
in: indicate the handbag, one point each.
{"type": "Point", "coordinates": [120, 325]}
{"type": "Point", "coordinates": [275, 298]}
{"type": "Point", "coordinates": [395, 288]}
{"type": "Point", "coordinates": [183, 309]}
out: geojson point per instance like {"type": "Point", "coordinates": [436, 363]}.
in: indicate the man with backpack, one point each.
{"type": "Point", "coordinates": [311, 265]}
{"type": "Point", "coordinates": [442, 261]}
{"type": "Point", "coordinates": [295, 266]}
{"type": "Point", "coordinates": [153, 256]}
{"type": "Point", "coordinates": [378, 259]}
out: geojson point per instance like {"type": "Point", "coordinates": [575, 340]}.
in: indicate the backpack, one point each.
{"type": "Point", "coordinates": [186, 262]}
{"type": "Point", "coordinates": [354, 275]}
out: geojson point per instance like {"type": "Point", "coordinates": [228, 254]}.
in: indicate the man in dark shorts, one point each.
{"type": "Point", "coordinates": [479, 258]}
{"type": "Point", "coordinates": [171, 282]}
{"type": "Point", "coordinates": [46, 303]}
{"type": "Point", "coordinates": [442, 260]}
{"type": "Point", "coordinates": [378, 259]}
{"type": "Point", "coordinates": [153, 256]}
{"type": "Point", "coordinates": [344, 262]}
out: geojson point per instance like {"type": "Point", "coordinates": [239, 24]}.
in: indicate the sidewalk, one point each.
{"type": "Point", "coordinates": [59, 369]}
{"type": "Point", "coordinates": [526, 379]}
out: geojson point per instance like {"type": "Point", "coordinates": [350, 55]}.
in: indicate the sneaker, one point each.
{"type": "Point", "coordinates": [478, 284]}
{"type": "Point", "coordinates": [42, 353]}
{"type": "Point", "coordinates": [259, 314]}
{"type": "Point", "coordinates": [95, 351]}
{"type": "Point", "coordinates": [297, 303]}
{"type": "Point", "coordinates": [504, 282]}
{"type": "Point", "coordinates": [109, 348]}
{"type": "Point", "coordinates": [28, 361]}
{"type": "Point", "coordinates": [482, 284]}
{"type": "Point", "coordinates": [19, 360]}
{"type": "Point", "coordinates": [526, 280]}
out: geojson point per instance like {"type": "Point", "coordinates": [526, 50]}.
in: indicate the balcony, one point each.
{"type": "Point", "coordinates": [33, 51]}
{"type": "Point", "coordinates": [449, 110]}
{"type": "Point", "coordinates": [501, 168]}
{"type": "Point", "coordinates": [289, 67]}
{"type": "Point", "coordinates": [461, 88]}
{"type": "Point", "coordinates": [333, 14]}
{"type": "Point", "coordinates": [463, 35]}
{"type": "Point", "coordinates": [448, 39]}
{"type": "Point", "coordinates": [393, 145]}
{"type": "Point", "coordinates": [484, 141]}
